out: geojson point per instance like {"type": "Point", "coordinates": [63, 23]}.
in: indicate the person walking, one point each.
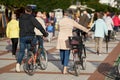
{"type": "Point", "coordinates": [12, 32]}
{"type": "Point", "coordinates": [39, 35]}
{"type": "Point", "coordinates": [100, 31]}
{"type": "Point", "coordinates": [65, 30]}
{"type": "Point", "coordinates": [50, 30]}
{"type": "Point", "coordinates": [116, 22]}
{"type": "Point", "coordinates": [27, 23]}
{"type": "Point", "coordinates": [110, 24]}
{"type": "Point", "coordinates": [53, 20]}
{"type": "Point", "coordinates": [84, 21]}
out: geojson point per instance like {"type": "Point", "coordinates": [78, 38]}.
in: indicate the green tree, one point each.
{"type": "Point", "coordinates": [43, 5]}
{"type": "Point", "coordinates": [49, 5]}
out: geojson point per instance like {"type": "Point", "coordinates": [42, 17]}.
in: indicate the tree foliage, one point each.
{"type": "Point", "coordinates": [49, 5]}
{"type": "Point", "coordinates": [43, 5]}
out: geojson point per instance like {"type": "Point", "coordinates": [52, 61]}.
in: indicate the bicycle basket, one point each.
{"type": "Point", "coordinates": [75, 40]}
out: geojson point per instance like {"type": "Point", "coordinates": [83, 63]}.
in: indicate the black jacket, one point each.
{"type": "Point", "coordinates": [27, 23]}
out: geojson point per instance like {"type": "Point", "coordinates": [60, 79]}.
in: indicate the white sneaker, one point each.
{"type": "Point", "coordinates": [17, 67]}
{"type": "Point", "coordinates": [99, 55]}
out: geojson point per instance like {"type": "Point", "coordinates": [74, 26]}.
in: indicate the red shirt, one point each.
{"type": "Point", "coordinates": [116, 21]}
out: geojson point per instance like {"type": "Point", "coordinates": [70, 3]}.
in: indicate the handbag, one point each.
{"type": "Point", "coordinates": [75, 40]}
{"type": "Point", "coordinates": [93, 28]}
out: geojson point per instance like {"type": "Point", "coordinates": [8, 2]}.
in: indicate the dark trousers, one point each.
{"type": "Point", "coordinates": [40, 41]}
{"type": "Point", "coordinates": [53, 30]}
{"type": "Point", "coordinates": [109, 35]}
{"type": "Point", "coordinates": [14, 45]}
{"type": "Point", "coordinates": [116, 28]}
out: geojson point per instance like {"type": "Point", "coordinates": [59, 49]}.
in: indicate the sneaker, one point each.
{"type": "Point", "coordinates": [17, 67]}
{"type": "Point", "coordinates": [99, 55]}
{"type": "Point", "coordinates": [13, 56]}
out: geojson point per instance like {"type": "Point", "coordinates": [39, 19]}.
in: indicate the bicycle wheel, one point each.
{"type": "Point", "coordinates": [83, 63]}
{"type": "Point", "coordinates": [111, 75]}
{"type": "Point", "coordinates": [28, 65]}
{"type": "Point", "coordinates": [43, 59]}
{"type": "Point", "coordinates": [109, 78]}
{"type": "Point", "coordinates": [77, 68]}
{"type": "Point", "coordinates": [119, 68]}
{"type": "Point", "coordinates": [77, 65]}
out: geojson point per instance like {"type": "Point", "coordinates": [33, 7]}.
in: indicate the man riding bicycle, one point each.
{"type": "Point", "coordinates": [27, 23]}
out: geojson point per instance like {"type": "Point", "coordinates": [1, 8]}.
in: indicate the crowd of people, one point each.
{"type": "Point", "coordinates": [29, 25]}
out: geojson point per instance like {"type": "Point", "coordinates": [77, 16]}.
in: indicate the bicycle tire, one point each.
{"type": "Point", "coordinates": [77, 68]}
{"type": "Point", "coordinates": [111, 75]}
{"type": "Point", "coordinates": [84, 50]}
{"type": "Point", "coordinates": [77, 65]}
{"type": "Point", "coordinates": [109, 78]}
{"type": "Point", "coordinates": [119, 68]}
{"type": "Point", "coordinates": [43, 59]}
{"type": "Point", "coordinates": [83, 63]}
{"type": "Point", "coordinates": [29, 67]}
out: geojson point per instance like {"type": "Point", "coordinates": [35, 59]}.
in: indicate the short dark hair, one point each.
{"type": "Point", "coordinates": [66, 12]}
{"type": "Point", "coordinates": [28, 8]}
{"type": "Point", "coordinates": [100, 15]}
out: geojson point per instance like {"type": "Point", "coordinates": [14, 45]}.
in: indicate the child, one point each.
{"type": "Point", "coordinates": [49, 29]}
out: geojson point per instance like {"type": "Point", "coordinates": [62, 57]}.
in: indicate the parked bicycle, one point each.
{"type": "Point", "coordinates": [79, 53]}
{"type": "Point", "coordinates": [36, 58]}
{"type": "Point", "coordinates": [114, 73]}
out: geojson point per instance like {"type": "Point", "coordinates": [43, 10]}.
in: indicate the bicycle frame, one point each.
{"type": "Point", "coordinates": [77, 48]}
{"type": "Point", "coordinates": [37, 51]}
{"type": "Point", "coordinates": [35, 58]}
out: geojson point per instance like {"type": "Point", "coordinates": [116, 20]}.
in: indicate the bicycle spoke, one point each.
{"type": "Point", "coordinates": [43, 60]}
{"type": "Point", "coordinates": [77, 68]}
{"type": "Point", "coordinates": [28, 65]}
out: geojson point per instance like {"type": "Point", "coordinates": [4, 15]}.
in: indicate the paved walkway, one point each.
{"type": "Point", "coordinates": [97, 66]}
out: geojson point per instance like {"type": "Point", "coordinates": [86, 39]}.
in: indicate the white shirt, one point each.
{"type": "Point", "coordinates": [109, 23]}
{"type": "Point", "coordinates": [41, 21]}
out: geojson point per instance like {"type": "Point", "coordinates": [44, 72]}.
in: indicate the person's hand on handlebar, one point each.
{"type": "Point", "coordinates": [45, 34]}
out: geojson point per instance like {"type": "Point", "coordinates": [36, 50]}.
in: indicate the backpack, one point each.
{"type": "Point", "coordinates": [50, 28]}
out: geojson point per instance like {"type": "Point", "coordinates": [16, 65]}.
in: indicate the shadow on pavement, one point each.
{"type": "Point", "coordinates": [9, 47]}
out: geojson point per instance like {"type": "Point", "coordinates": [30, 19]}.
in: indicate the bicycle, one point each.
{"type": "Point", "coordinates": [35, 57]}
{"type": "Point", "coordinates": [114, 73]}
{"type": "Point", "coordinates": [79, 53]}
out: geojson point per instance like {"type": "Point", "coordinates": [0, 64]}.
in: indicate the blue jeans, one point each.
{"type": "Point", "coordinates": [116, 28]}
{"type": "Point", "coordinates": [40, 40]}
{"type": "Point", "coordinates": [24, 44]}
{"type": "Point", "coordinates": [64, 55]}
